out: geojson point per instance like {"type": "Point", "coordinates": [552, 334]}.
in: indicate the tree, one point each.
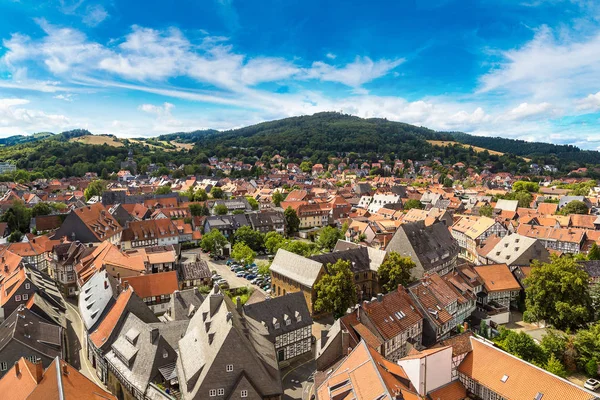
{"type": "Point", "coordinates": [306, 166]}
{"type": "Point", "coordinates": [41, 209]}
{"type": "Point", "coordinates": [273, 241]}
{"type": "Point", "coordinates": [241, 252]}
{"type": "Point", "coordinates": [264, 269]}
{"type": "Point", "coordinates": [554, 366]}
{"type": "Point", "coordinates": [395, 270]}
{"type": "Point", "coordinates": [521, 345]}
{"type": "Point", "coordinates": [217, 193]}
{"type": "Point", "coordinates": [574, 207]}
{"type": "Point", "coordinates": [221, 209]}
{"type": "Point", "coordinates": [299, 247]}
{"type": "Point", "coordinates": [292, 222]}
{"type": "Point", "coordinates": [554, 343]}
{"type": "Point", "coordinates": [198, 210]}
{"type": "Point", "coordinates": [214, 241]}
{"type": "Point", "coordinates": [15, 237]}
{"type": "Point", "coordinates": [164, 189]}
{"type": "Point", "coordinates": [95, 188]}
{"type": "Point", "coordinates": [526, 186]}
{"type": "Point", "coordinates": [253, 239]}
{"type": "Point", "coordinates": [17, 217]}
{"type": "Point", "coordinates": [448, 182]}
{"type": "Point", "coordinates": [557, 292]}
{"type": "Point", "coordinates": [486, 211]}
{"type": "Point", "coordinates": [200, 195]}
{"type": "Point", "coordinates": [587, 344]}
{"type": "Point", "coordinates": [277, 198]}
{"type": "Point", "coordinates": [328, 237]}
{"type": "Point", "coordinates": [594, 253]}
{"type": "Point", "coordinates": [253, 203]}
{"type": "Point", "coordinates": [412, 203]}
{"type": "Point", "coordinates": [336, 291]}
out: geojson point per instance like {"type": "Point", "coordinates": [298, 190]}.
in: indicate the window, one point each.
{"type": "Point", "coordinates": [244, 393]}
{"type": "Point", "coordinates": [221, 392]}
{"type": "Point", "coordinates": [212, 392]}
{"type": "Point", "coordinates": [4, 366]}
{"type": "Point", "coordinates": [17, 297]}
{"type": "Point", "coordinates": [25, 297]}
{"type": "Point", "coordinates": [229, 368]}
{"type": "Point", "coordinates": [27, 286]}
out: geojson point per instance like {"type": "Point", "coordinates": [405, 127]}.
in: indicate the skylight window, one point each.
{"type": "Point", "coordinates": [504, 379]}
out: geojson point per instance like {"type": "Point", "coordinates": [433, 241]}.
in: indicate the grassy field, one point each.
{"type": "Point", "coordinates": [182, 146]}
{"type": "Point", "coordinates": [98, 140]}
{"type": "Point", "coordinates": [444, 143]}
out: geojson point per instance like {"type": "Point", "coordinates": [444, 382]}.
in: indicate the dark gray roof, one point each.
{"type": "Point", "coordinates": [592, 268]}
{"type": "Point", "coordinates": [358, 257]}
{"type": "Point", "coordinates": [194, 270]}
{"type": "Point", "coordinates": [33, 331]}
{"type": "Point", "coordinates": [280, 309]}
{"type": "Point", "coordinates": [184, 304]}
{"type": "Point", "coordinates": [433, 245]}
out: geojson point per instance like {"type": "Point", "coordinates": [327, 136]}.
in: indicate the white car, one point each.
{"type": "Point", "coordinates": [592, 384]}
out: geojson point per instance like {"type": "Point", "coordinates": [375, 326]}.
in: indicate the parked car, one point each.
{"type": "Point", "coordinates": [250, 276]}
{"type": "Point", "coordinates": [592, 384]}
{"type": "Point", "coordinates": [240, 274]}
{"type": "Point", "coordinates": [229, 262]}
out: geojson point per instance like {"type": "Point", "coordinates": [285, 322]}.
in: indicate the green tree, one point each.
{"type": "Point", "coordinates": [574, 207]}
{"type": "Point", "coordinates": [164, 189]}
{"type": "Point", "coordinates": [554, 366]}
{"type": "Point", "coordinates": [217, 193]}
{"type": "Point", "coordinates": [486, 211]}
{"type": "Point", "coordinates": [594, 253]}
{"type": "Point", "coordinates": [273, 241]}
{"type": "Point", "coordinates": [241, 252]}
{"type": "Point", "coordinates": [413, 203]}
{"type": "Point", "coordinates": [17, 217]}
{"type": "Point", "coordinates": [264, 269]}
{"type": "Point", "coordinates": [41, 209]}
{"type": "Point", "coordinates": [526, 186]}
{"type": "Point", "coordinates": [328, 237]}
{"type": "Point", "coordinates": [292, 222]}
{"type": "Point", "coordinates": [95, 188]}
{"type": "Point", "coordinates": [214, 241]}
{"type": "Point", "coordinates": [253, 203]}
{"type": "Point", "coordinates": [221, 209]}
{"type": "Point", "coordinates": [197, 209]}
{"type": "Point", "coordinates": [253, 239]}
{"type": "Point", "coordinates": [395, 270]}
{"type": "Point", "coordinates": [554, 343]}
{"type": "Point", "coordinates": [336, 291]}
{"type": "Point", "coordinates": [448, 182]}
{"type": "Point", "coordinates": [277, 198]}
{"type": "Point", "coordinates": [521, 345]}
{"type": "Point", "coordinates": [15, 237]}
{"type": "Point", "coordinates": [587, 345]}
{"type": "Point", "coordinates": [557, 292]}
{"type": "Point", "coordinates": [200, 195]}
{"type": "Point", "coordinates": [299, 247]}
{"type": "Point", "coordinates": [306, 166]}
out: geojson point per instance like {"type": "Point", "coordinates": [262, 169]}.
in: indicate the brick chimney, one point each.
{"type": "Point", "coordinates": [39, 371]}
{"type": "Point", "coordinates": [17, 369]}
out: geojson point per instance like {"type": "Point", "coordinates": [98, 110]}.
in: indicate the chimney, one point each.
{"type": "Point", "coordinates": [39, 370]}
{"type": "Point", "coordinates": [65, 369]}
{"type": "Point", "coordinates": [17, 369]}
{"type": "Point", "coordinates": [379, 297]}
{"type": "Point", "coordinates": [358, 312]}
{"type": "Point", "coordinates": [105, 284]}
{"type": "Point", "coordinates": [239, 306]}
{"type": "Point", "coordinates": [153, 335]}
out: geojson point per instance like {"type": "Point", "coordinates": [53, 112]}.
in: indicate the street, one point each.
{"type": "Point", "coordinates": [297, 379]}
{"type": "Point", "coordinates": [77, 344]}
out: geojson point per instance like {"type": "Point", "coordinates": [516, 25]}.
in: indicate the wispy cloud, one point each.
{"type": "Point", "coordinates": [94, 15]}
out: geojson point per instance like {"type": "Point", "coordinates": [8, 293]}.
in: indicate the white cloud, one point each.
{"type": "Point", "coordinates": [355, 74]}
{"type": "Point", "coordinates": [16, 119]}
{"type": "Point", "coordinates": [527, 110]}
{"type": "Point", "coordinates": [159, 111]}
{"type": "Point", "coordinates": [331, 56]}
{"type": "Point", "coordinates": [590, 103]}
{"type": "Point", "coordinates": [547, 67]}
{"type": "Point", "coordinates": [94, 15]}
{"type": "Point", "coordinates": [68, 97]}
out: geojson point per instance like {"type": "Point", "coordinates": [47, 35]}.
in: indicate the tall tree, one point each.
{"type": "Point", "coordinates": [486, 211]}
{"type": "Point", "coordinates": [273, 241]}
{"type": "Point", "coordinates": [336, 291]}
{"type": "Point", "coordinates": [328, 237]}
{"type": "Point", "coordinates": [558, 293]}
{"type": "Point", "coordinates": [594, 253]}
{"type": "Point", "coordinates": [277, 198]}
{"type": "Point", "coordinates": [214, 241]}
{"type": "Point", "coordinates": [574, 207]}
{"type": "Point", "coordinates": [217, 193]}
{"type": "Point", "coordinates": [395, 270]}
{"type": "Point", "coordinates": [412, 203]}
{"type": "Point", "coordinates": [253, 203]}
{"type": "Point", "coordinates": [164, 189]}
{"type": "Point", "coordinates": [292, 222]}
{"type": "Point", "coordinates": [243, 253]}
{"type": "Point", "coordinates": [253, 239]}
{"type": "Point", "coordinates": [95, 188]}
{"type": "Point", "coordinates": [221, 209]}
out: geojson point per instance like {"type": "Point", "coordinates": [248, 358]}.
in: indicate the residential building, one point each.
{"type": "Point", "coordinates": [183, 304]}
{"type": "Point", "coordinates": [90, 224]}
{"type": "Point", "coordinates": [472, 232]}
{"type": "Point", "coordinates": [517, 250]}
{"type": "Point", "coordinates": [564, 240]}
{"type": "Point", "coordinates": [293, 273]}
{"type": "Point", "coordinates": [381, 200]}
{"type": "Point", "coordinates": [500, 285]}
{"type": "Point", "coordinates": [6, 168]}
{"type": "Point", "coordinates": [267, 221]}
{"type": "Point", "coordinates": [224, 355]}
{"type": "Point", "coordinates": [149, 233]}
{"type": "Point", "coordinates": [61, 268]}
{"type": "Point", "coordinates": [28, 381]}
{"type": "Point", "coordinates": [432, 248]}
{"type": "Point", "coordinates": [154, 289]}
{"type": "Point", "coordinates": [193, 274]}
{"type": "Point", "coordinates": [288, 321]}
{"type": "Point", "coordinates": [226, 224]}
{"type": "Point", "coordinates": [109, 258]}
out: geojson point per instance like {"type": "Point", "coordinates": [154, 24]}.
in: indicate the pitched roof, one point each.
{"type": "Point", "coordinates": [488, 365]}
{"type": "Point", "coordinates": [297, 268]}
{"type": "Point", "coordinates": [15, 386]}
{"type": "Point", "coordinates": [497, 278]}
{"type": "Point", "coordinates": [394, 314]}
{"type": "Point", "coordinates": [103, 331]}
{"type": "Point", "coordinates": [98, 220]}
{"type": "Point", "coordinates": [154, 284]}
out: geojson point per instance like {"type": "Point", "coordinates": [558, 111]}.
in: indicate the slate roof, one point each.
{"type": "Point", "coordinates": [280, 309]}
{"type": "Point", "coordinates": [297, 268]}
{"type": "Point", "coordinates": [359, 257]}
{"type": "Point", "coordinates": [184, 304]}
{"type": "Point", "coordinates": [194, 270]}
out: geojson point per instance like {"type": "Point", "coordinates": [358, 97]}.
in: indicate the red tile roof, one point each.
{"type": "Point", "coordinates": [154, 285]}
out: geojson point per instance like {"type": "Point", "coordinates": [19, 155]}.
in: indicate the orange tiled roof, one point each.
{"type": "Point", "coordinates": [102, 333]}
{"type": "Point", "coordinates": [497, 278]}
{"type": "Point", "coordinates": [154, 284]}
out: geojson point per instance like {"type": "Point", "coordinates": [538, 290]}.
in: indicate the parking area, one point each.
{"type": "Point", "coordinates": [297, 379]}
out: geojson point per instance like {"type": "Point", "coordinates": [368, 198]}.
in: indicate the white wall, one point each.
{"type": "Point", "coordinates": [429, 372]}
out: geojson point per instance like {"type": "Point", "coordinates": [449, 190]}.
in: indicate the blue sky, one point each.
{"type": "Point", "coordinates": [521, 69]}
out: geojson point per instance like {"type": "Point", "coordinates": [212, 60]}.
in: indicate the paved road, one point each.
{"type": "Point", "coordinates": [297, 379]}
{"type": "Point", "coordinates": [77, 344]}
{"type": "Point", "coordinates": [223, 270]}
